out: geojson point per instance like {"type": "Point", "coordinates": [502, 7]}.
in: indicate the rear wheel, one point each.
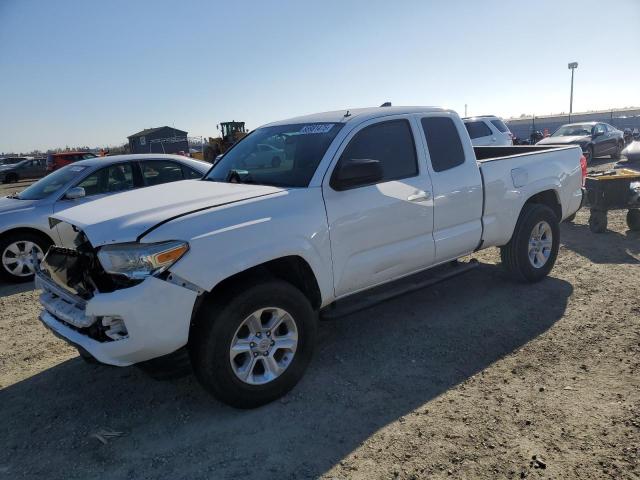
{"type": "Point", "coordinates": [633, 219]}
{"type": "Point", "coordinates": [16, 264]}
{"type": "Point", "coordinates": [254, 346]}
{"type": "Point", "coordinates": [616, 155]}
{"type": "Point", "coordinates": [598, 221]}
{"type": "Point", "coordinates": [531, 253]}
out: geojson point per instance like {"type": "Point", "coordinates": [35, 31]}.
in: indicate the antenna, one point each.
{"type": "Point", "coordinates": [347, 114]}
{"type": "Point", "coordinates": [386, 104]}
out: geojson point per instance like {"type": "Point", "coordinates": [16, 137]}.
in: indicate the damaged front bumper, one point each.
{"type": "Point", "coordinates": [121, 327]}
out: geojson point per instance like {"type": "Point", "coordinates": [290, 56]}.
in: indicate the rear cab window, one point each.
{"type": "Point", "coordinates": [443, 142]}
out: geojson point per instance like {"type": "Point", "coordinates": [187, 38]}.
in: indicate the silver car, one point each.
{"type": "Point", "coordinates": [24, 216]}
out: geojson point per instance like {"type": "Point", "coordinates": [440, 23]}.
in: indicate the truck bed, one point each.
{"type": "Point", "coordinates": [488, 154]}
{"type": "Point", "coordinates": [513, 174]}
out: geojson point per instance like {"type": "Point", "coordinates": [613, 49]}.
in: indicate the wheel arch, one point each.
{"type": "Point", "coordinates": [31, 230]}
{"type": "Point", "coordinates": [292, 268]}
{"type": "Point", "coordinates": [548, 198]}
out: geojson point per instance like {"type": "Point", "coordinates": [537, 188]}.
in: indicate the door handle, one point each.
{"type": "Point", "coordinates": [420, 196]}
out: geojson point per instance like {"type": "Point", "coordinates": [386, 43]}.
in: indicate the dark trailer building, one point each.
{"type": "Point", "coordinates": [159, 140]}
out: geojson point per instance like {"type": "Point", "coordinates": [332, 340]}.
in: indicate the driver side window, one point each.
{"type": "Point", "coordinates": [390, 143]}
{"type": "Point", "coordinates": [599, 128]}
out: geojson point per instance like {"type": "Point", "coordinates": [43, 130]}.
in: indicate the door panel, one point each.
{"type": "Point", "coordinates": [384, 231]}
{"type": "Point", "coordinates": [377, 234]}
{"type": "Point", "coordinates": [457, 187]}
{"type": "Point", "coordinates": [600, 146]}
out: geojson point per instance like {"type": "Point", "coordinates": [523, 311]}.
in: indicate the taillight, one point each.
{"type": "Point", "coordinates": [583, 167]}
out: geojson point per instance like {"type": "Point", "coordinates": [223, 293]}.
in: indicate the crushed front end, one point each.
{"type": "Point", "coordinates": [116, 319]}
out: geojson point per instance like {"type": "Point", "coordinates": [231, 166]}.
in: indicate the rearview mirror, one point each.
{"type": "Point", "coordinates": [356, 172]}
{"type": "Point", "coordinates": [74, 192]}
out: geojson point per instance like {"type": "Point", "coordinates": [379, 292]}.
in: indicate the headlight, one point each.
{"type": "Point", "coordinates": [138, 260]}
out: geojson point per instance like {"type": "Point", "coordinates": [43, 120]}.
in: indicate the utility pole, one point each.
{"type": "Point", "coordinates": [572, 67]}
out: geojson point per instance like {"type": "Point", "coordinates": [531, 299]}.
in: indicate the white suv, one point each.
{"type": "Point", "coordinates": [487, 130]}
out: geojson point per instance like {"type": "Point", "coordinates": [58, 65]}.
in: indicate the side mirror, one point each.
{"type": "Point", "coordinates": [74, 192]}
{"type": "Point", "coordinates": [356, 172]}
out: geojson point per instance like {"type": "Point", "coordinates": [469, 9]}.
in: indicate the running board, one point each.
{"type": "Point", "coordinates": [369, 298]}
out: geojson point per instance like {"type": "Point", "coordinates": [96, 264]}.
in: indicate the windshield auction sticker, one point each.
{"type": "Point", "coordinates": [316, 128]}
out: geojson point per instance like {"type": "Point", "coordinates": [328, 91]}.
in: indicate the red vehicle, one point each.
{"type": "Point", "coordinates": [58, 160]}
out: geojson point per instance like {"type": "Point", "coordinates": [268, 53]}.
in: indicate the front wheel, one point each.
{"type": "Point", "coordinates": [589, 155]}
{"type": "Point", "coordinates": [11, 178]}
{"type": "Point", "coordinates": [532, 251]}
{"type": "Point", "coordinates": [16, 261]}
{"type": "Point", "coordinates": [254, 346]}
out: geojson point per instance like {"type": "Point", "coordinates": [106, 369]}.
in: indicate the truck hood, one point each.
{"type": "Point", "coordinates": [128, 216]}
{"type": "Point", "coordinates": [564, 140]}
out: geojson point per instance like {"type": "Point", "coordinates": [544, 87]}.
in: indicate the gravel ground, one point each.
{"type": "Point", "coordinates": [476, 378]}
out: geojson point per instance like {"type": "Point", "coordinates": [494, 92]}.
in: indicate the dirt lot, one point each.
{"type": "Point", "coordinates": [468, 379]}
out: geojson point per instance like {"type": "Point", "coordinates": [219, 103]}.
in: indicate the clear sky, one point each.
{"type": "Point", "coordinates": [92, 72]}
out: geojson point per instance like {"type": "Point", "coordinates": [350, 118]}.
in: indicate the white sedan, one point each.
{"type": "Point", "coordinates": [24, 216]}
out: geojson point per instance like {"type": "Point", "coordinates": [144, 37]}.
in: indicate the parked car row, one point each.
{"type": "Point", "coordinates": [237, 267]}
{"type": "Point", "coordinates": [596, 139]}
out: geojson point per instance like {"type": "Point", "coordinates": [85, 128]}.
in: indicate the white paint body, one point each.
{"type": "Point", "coordinates": [352, 240]}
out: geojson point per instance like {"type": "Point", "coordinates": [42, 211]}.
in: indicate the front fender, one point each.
{"type": "Point", "coordinates": [227, 241]}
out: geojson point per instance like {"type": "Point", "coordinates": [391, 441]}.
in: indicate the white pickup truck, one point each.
{"type": "Point", "coordinates": [238, 267]}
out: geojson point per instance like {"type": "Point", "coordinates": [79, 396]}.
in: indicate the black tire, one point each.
{"type": "Point", "coordinates": [515, 254]}
{"type": "Point", "coordinates": [570, 218]}
{"type": "Point", "coordinates": [616, 155]}
{"type": "Point", "coordinates": [589, 155]}
{"type": "Point", "coordinates": [11, 178]}
{"type": "Point", "coordinates": [598, 221]}
{"type": "Point", "coordinates": [10, 238]}
{"type": "Point", "coordinates": [633, 219]}
{"type": "Point", "coordinates": [216, 323]}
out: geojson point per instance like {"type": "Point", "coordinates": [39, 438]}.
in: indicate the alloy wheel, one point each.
{"type": "Point", "coordinates": [540, 243]}
{"type": "Point", "coordinates": [263, 346]}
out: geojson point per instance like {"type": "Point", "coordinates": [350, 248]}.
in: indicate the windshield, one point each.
{"type": "Point", "coordinates": [573, 130]}
{"type": "Point", "coordinates": [51, 183]}
{"type": "Point", "coordinates": [283, 155]}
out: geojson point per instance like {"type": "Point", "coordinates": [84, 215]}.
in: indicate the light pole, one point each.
{"type": "Point", "coordinates": [572, 67]}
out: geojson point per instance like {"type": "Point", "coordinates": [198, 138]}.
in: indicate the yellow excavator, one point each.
{"type": "Point", "coordinates": [230, 133]}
